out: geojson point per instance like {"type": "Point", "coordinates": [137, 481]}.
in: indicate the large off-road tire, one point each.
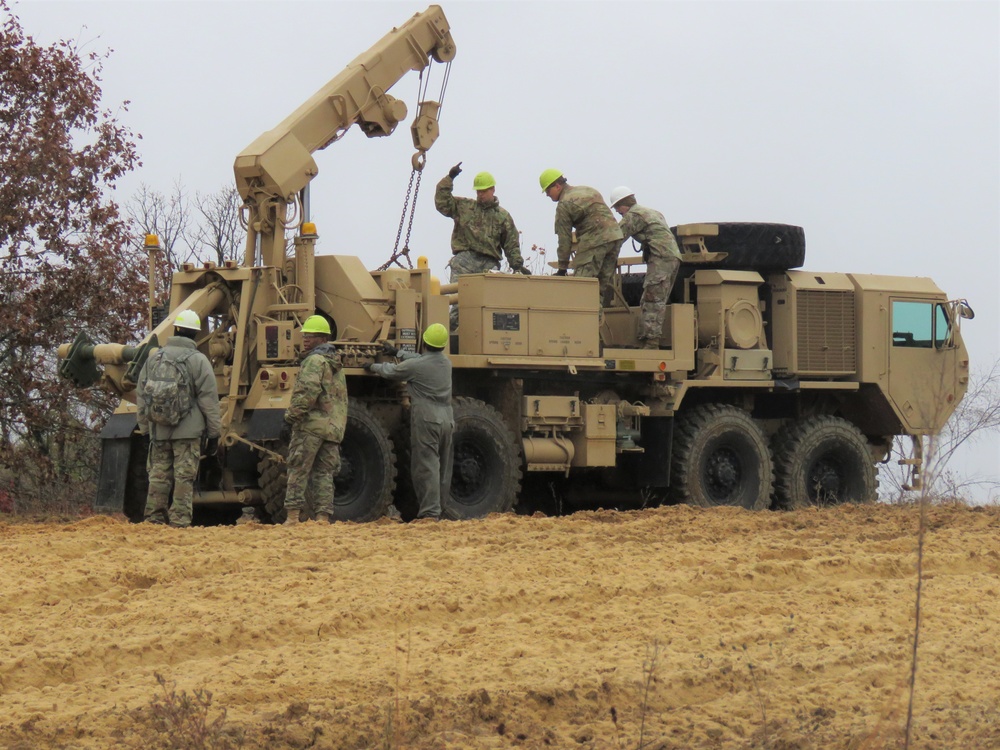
{"type": "Point", "coordinates": [720, 457]}
{"type": "Point", "coordinates": [273, 481]}
{"type": "Point", "coordinates": [486, 476]}
{"type": "Point", "coordinates": [632, 288]}
{"type": "Point", "coordinates": [365, 484]}
{"type": "Point", "coordinates": [755, 246]}
{"type": "Point", "coordinates": [364, 487]}
{"type": "Point", "coordinates": [822, 460]}
{"type": "Point", "coordinates": [406, 501]}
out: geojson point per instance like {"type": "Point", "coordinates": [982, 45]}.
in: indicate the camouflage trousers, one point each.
{"type": "Point", "coordinates": [660, 276]}
{"type": "Point", "coordinates": [467, 262]}
{"type": "Point", "coordinates": [172, 464]}
{"type": "Point", "coordinates": [600, 263]}
{"type": "Point", "coordinates": [312, 464]}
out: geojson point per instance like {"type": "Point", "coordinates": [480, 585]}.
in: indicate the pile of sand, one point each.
{"type": "Point", "coordinates": [682, 627]}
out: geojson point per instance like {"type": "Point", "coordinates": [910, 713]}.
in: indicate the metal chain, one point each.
{"type": "Point", "coordinates": [396, 253]}
{"type": "Point", "coordinates": [413, 211]}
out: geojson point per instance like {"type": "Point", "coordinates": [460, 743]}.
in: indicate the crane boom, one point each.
{"type": "Point", "coordinates": [279, 163]}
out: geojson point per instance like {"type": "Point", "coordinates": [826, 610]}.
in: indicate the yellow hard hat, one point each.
{"type": "Point", "coordinates": [548, 177]}
{"type": "Point", "coordinates": [316, 324]}
{"type": "Point", "coordinates": [483, 181]}
{"type": "Point", "coordinates": [188, 319]}
{"type": "Point", "coordinates": [436, 335]}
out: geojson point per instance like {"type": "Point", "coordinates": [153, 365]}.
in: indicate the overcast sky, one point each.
{"type": "Point", "coordinates": [874, 125]}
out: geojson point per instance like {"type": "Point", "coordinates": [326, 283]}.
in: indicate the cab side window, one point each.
{"type": "Point", "coordinates": [920, 325]}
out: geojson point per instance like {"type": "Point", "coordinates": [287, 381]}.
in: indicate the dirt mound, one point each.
{"type": "Point", "coordinates": [680, 627]}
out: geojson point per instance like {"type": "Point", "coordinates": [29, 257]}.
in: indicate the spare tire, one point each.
{"type": "Point", "coordinates": [632, 287]}
{"type": "Point", "coordinates": [752, 246]}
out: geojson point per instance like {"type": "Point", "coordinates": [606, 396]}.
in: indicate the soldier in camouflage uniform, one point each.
{"type": "Point", "coordinates": [317, 417]}
{"type": "Point", "coordinates": [174, 450]}
{"type": "Point", "coordinates": [598, 235]}
{"type": "Point", "coordinates": [662, 257]}
{"type": "Point", "coordinates": [432, 420]}
{"type": "Point", "coordinates": [483, 231]}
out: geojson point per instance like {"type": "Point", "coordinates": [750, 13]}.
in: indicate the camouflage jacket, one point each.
{"type": "Point", "coordinates": [204, 419]}
{"type": "Point", "coordinates": [583, 208]}
{"type": "Point", "coordinates": [652, 231]}
{"type": "Point", "coordinates": [319, 399]}
{"type": "Point", "coordinates": [485, 229]}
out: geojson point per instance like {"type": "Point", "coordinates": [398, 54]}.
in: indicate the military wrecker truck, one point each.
{"type": "Point", "coordinates": [772, 386]}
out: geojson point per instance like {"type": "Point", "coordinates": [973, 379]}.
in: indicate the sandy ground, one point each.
{"type": "Point", "coordinates": [673, 627]}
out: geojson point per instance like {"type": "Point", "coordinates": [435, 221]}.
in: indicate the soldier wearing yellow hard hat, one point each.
{"type": "Point", "coordinates": [316, 418]}
{"type": "Point", "coordinates": [483, 232]}
{"type": "Point", "coordinates": [598, 235]}
{"type": "Point", "coordinates": [432, 421]}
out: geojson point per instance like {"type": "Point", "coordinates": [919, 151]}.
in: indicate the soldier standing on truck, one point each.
{"type": "Point", "coordinates": [178, 405]}
{"type": "Point", "coordinates": [598, 235]}
{"type": "Point", "coordinates": [661, 256]}
{"type": "Point", "coordinates": [483, 231]}
{"type": "Point", "coordinates": [432, 420]}
{"type": "Point", "coordinates": [315, 420]}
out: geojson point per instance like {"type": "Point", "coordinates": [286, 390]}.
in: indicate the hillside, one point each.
{"type": "Point", "coordinates": [685, 626]}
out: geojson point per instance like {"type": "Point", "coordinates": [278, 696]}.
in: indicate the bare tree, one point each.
{"type": "Point", "coordinates": [207, 228]}
{"type": "Point", "coordinates": [166, 216]}
{"type": "Point", "coordinates": [219, 234]}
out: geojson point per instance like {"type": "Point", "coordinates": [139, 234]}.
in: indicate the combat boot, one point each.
{"type": "Point", "coordinates": [293, 517]}
{"type": "Point", "coordinates": [323, 518]}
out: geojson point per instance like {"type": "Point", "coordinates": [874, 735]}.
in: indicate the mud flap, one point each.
{"type": "Point", "coordinates": [116, 452]}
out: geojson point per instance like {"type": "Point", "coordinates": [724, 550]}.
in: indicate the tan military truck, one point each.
{"type": "Point", "coordinates": [772, 386]}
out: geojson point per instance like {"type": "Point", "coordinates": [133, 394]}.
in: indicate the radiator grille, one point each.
{"type": "Point", "coordinates": [827, 339]}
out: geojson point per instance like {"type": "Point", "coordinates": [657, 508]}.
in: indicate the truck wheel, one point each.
{"type": "Point", "coordinates": [822, 461]}
{"type": "Point", "coordinates": [406, 500]}
{"type": "Point", "coordinates": [486, 476]}
{"type": "Point", "coordinates": [756, 246]}
{"type": "Point", "coordinates": [364, 487]}
{"type": "Point", "coordinates": [273, 481]}
{"type": "Point", "coordinates": [721, 457]}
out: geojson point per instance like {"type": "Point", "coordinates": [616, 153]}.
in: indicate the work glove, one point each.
{"type": "Point", "coordinates": [370, 367]}
{"type": "Point", "coordinates": [389, 350]}
{"type": "Point", "coordinates": [455, 171]}
{"type": "Point", "coordinates": [286, 433]}
{"type": "Point", "coordinates": [212, 446]}
{"type": "Point", "coordinates": [560, 272]}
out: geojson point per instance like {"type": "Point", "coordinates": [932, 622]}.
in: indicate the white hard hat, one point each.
{"type": "Point", "coordinates": [620, 192]}
{"type": "Point", "coordinates": [188, 319]}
